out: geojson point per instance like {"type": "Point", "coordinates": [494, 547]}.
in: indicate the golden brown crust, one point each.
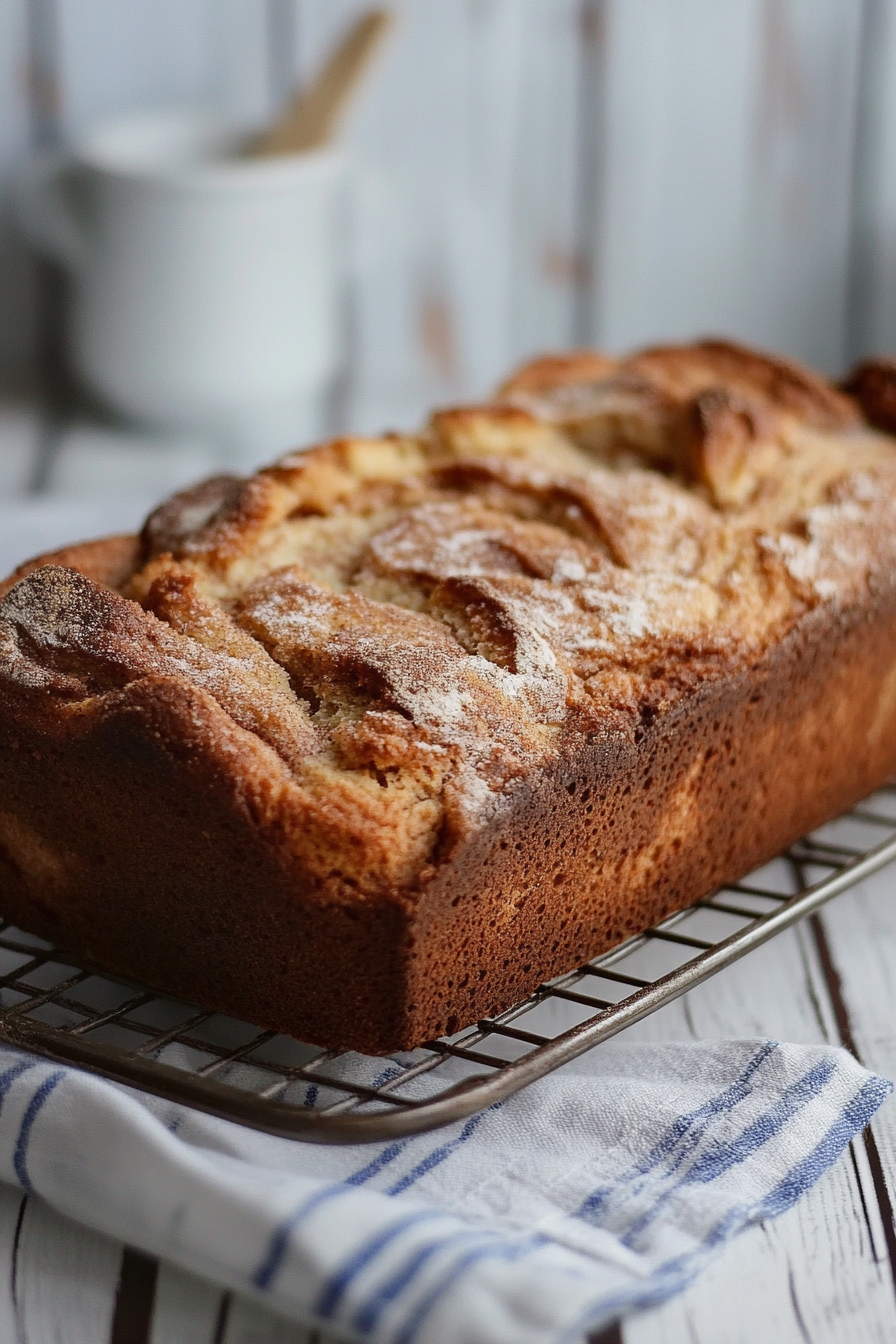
{"type": "Point", "coordinates": [873, 385]}
{"type": "Point", "coordinates": [110, 561]}
{"type": "Point", "coordinates": [682, 372]}
{"type": "Point", "coordinates": [188, 512]}
{"type": "Point", "coordinates": [434, 717]}
{"type": "Point", "coordinates": [552, 371]}
{"type": "Point", "coordinates": [685, 371]}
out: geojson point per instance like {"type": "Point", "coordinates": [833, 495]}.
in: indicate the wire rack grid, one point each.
{"type": "Point", "coordinates": [69, 1011]}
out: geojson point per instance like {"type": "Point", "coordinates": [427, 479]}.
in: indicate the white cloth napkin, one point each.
{"type": "Point", "coordinates": [604, 1187]}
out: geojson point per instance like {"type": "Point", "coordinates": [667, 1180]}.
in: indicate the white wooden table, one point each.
{"type": "Point", "coordinates": [824, 1273]}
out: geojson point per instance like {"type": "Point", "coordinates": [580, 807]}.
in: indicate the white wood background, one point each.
{"type": "Point", "coordinates": [528, 174]}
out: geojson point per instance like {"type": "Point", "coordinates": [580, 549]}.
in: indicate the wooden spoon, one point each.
{"type": "Point", "coordinates": [310, 118]}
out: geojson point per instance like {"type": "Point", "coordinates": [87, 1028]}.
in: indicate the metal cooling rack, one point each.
{"type": "Point", "coordinates": [68, 1011]}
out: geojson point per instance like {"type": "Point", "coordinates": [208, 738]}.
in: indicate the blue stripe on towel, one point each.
{"type": "Point", "coordinates": [722, 1156]}
{"type": "Point", "coordinates": [31, 1113]}
{"type": "Point", "coordinates": [375, 1167]}
{"type": "Point", "coordinates": [685, 1127]}
{"type": "Point", "coordinates": [856, 1115]}
{"type": "Point", "coordinates": [273, 1259]}
{"type": "Point", "coordinates": [438, 1155]}
{"type": "Point", "coordinates": [277, 1247]}
{"type": "Point", "coordinates": [396, 1286]}
{"type": "Point", "coordinates": [675, 1275]}
{"type": "Point", "coordinates": [336, 1287]}
{"type": "Point", "coordinates": [492, 1250]}
{"type": "Point", "coordinates": [335, 1290]}
{"type": "Point", "coordinates": [393, 1071]}
{"type": "Point", "coordinates": [11, 1074]}
{"type": "Point", "coordinates": [367, 1318]}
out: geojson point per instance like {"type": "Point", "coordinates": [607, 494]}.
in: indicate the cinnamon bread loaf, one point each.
{"type": "Point", "coordinates": [368, 745]}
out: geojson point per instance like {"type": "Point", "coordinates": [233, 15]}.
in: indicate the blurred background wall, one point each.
{"type": "Point", "coordinates": [528, 174]}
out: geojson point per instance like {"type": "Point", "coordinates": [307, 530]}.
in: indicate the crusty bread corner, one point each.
{"type": "Point", "coordinates": [109, 561]}
{"type": "Point", "coordinates": [425, 719]}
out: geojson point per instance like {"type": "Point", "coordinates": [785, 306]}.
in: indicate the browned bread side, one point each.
{"type": "Point", "coordinates": [110, 561]}
{"type": "Point", "coordinates": [873, 385]}
{"type": "Point", "coordinates": [368, 745]}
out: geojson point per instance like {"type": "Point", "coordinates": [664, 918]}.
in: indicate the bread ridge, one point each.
{"type": "Point", "coordinates": [431, 718]}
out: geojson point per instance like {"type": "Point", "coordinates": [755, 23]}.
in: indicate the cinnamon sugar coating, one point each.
{"type": "Point", "coordinates": [406, 662]}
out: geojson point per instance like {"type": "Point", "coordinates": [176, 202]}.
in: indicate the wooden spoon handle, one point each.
{"type": "Point", "coordinates": [310, 119]}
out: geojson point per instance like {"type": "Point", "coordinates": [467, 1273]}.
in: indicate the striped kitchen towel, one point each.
{"type": "Point", "coordinates": [602, 1188]}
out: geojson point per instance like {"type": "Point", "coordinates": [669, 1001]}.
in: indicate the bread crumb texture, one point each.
{"type": "Point", "coordinates": [402, 629]}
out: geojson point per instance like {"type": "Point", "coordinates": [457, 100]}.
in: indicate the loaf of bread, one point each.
{"type": "Point", "coordinates": [365, 747]}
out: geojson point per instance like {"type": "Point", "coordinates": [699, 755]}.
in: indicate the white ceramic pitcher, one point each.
{"type": "Point", "coordinates": [206, 286]}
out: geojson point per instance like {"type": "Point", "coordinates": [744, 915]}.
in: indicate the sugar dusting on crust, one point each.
{"type": "Point", "coordinates": [477, 582]}
{"type": "Point", "coordinates": [349, 654]}
{"type": "Point", "coordinates": [94, 641]}
{"type": "Point", "coordinates": [829, 548]}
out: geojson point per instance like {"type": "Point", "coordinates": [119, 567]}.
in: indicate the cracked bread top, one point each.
{"type": "Point", "coordinates": [412, 624]}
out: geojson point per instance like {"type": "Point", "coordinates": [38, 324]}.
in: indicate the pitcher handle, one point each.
{"type": "Point", "coordinates": [45, 210]}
